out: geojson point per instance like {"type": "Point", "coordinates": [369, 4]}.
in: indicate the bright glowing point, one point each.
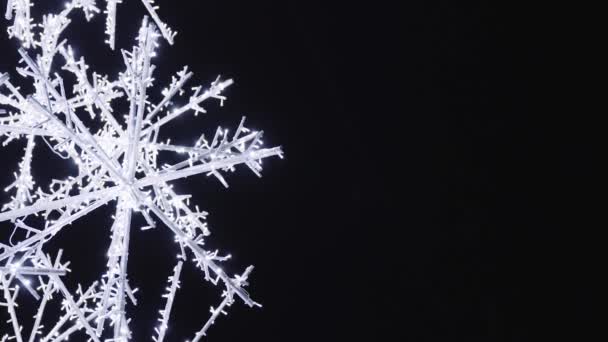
{"type": "Point", "coordinates": [117, 163]}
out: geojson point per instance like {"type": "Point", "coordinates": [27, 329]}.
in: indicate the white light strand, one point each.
{"type": "Point", "coordinates": [166, 312]}
{"type": "Point", "coordinates": [117, 162]}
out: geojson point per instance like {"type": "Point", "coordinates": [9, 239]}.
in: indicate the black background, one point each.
{"type": "Point", "coordinates": [423, 194]}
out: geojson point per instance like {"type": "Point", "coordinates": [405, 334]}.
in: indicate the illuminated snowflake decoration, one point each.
{"type": "Point", "coordinates": [116, 162]}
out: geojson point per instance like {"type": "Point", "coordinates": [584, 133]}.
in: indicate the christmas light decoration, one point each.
{"type": "Point", "coordinates": [118, 163]}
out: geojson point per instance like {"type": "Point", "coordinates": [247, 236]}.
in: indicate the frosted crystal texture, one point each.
{"type": "Point", "coordinates": [118, 162]}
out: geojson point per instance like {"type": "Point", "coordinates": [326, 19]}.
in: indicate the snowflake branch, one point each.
{"type": "Point", "coordinates": [166, 313]}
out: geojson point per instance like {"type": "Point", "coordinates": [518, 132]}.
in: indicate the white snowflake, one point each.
{"type": "Point", "coordinates": [118, 162]}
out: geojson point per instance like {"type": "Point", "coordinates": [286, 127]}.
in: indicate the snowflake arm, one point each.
{"type": "Point", "coordinates": [166, 312]}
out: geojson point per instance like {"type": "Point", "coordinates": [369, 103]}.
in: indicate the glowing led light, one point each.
{"type": "Point", "coordinates": [116, 163]}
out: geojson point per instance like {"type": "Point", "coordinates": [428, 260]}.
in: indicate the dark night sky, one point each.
{"type": "Point", "coordinates": [421, 194]}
